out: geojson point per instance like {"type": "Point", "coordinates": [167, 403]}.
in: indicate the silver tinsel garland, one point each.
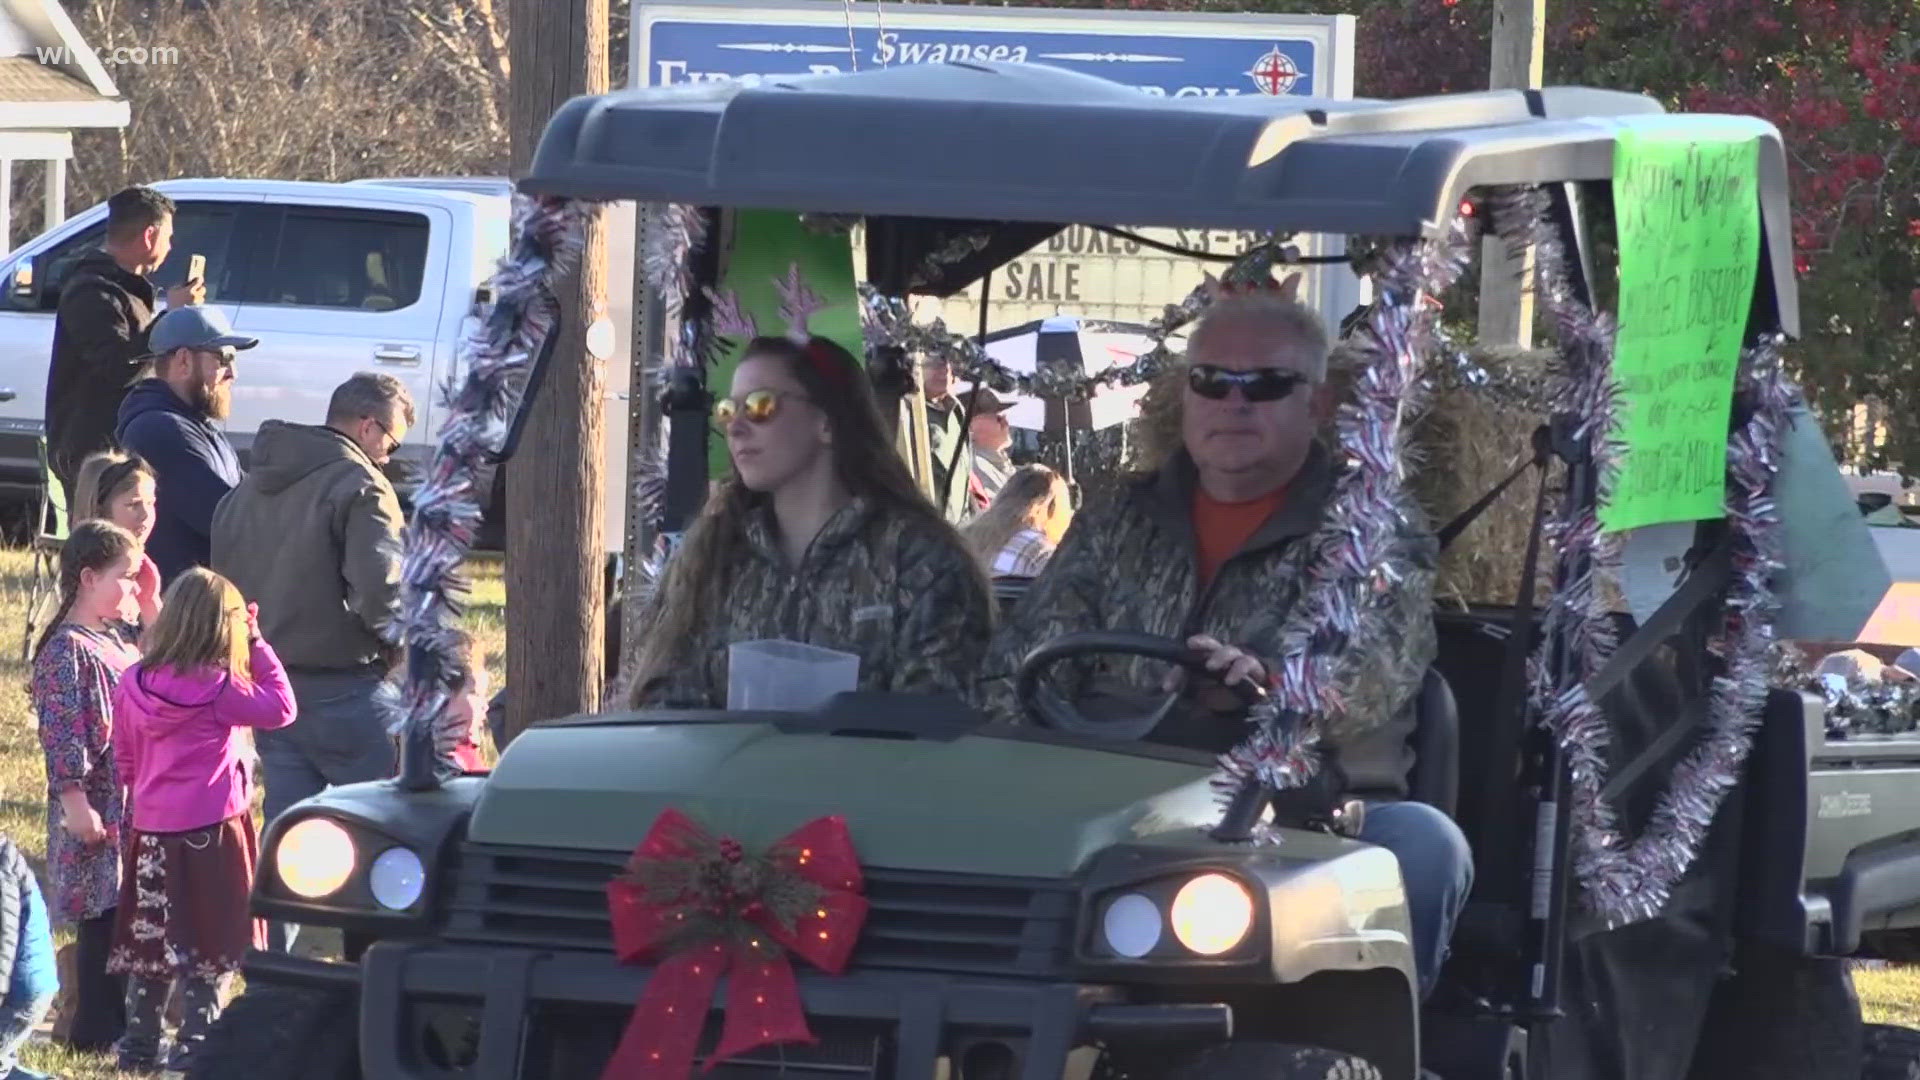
{"type": "Point", "coordinates": [888, 321]}
{"type": "Point", "coordinates": [1350, 569]}
{"type": "Point", "coordinates": [673, 236]}
{"type": "Point", "coordinates": [495, 360]}
{"type": "Point", "coordinates": [1625, 879]}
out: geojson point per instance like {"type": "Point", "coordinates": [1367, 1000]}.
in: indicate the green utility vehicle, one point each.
{"type": "Point", "coordinates": [1047, 901]}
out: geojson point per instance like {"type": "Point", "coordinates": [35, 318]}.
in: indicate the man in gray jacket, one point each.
{"type": "Point", "coordinates": [312, 535]}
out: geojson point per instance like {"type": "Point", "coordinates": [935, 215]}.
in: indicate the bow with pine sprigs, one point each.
{"type": "Point", "coordinates": [705, 908]}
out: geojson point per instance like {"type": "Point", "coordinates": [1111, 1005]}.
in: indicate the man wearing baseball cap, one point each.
{"type": "Point", "coordinates": [990, 434]}
{"type": "Point", "coordinates": [168, 419]}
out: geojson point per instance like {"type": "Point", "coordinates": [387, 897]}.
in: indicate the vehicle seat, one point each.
{"type": "Point", "coordinates": [1007, 592]}
{"type": "Point", "coordinates": [1435, 779]}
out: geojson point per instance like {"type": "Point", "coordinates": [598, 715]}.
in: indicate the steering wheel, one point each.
{"type": "Point", "coordinates": [1048, 708]}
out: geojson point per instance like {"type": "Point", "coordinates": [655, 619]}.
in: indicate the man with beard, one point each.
{"type": "Point", "coordinates": [168, 419]}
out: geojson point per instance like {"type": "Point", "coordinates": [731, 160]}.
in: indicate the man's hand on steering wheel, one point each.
{"type": "Point", "coordinates": [1229, 665]}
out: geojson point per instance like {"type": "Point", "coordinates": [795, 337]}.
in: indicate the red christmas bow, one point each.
{"type": "Point", "coordinates": [707, 908]}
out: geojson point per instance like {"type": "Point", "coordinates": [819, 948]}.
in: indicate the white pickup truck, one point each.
{"type": "Point", "coordinates": [379, 275]}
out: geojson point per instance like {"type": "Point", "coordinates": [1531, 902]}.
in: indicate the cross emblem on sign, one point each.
{"type": "Point", "coordinates": [1275, 73]}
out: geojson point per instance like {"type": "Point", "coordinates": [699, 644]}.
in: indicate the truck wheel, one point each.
{"type": "Point", "coordinates": [1269, 1061]}
{"type": "Point", "coordinates": [284, 1032]}
{"type": "Point", "coordinates": [1892, 1053]}
{"type": "Point", "coordinates": [1781, 1016]}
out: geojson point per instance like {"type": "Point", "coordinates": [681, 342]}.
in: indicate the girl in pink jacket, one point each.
{"type": "Point", "coordinates": [203, 677]}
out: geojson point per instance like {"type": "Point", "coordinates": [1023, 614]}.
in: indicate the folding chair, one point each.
{"type": "Point", "coordinates": [50, 534]}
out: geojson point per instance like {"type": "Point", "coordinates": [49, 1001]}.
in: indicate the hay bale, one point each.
{"type": "Point", "coordinates": [1463, 443]}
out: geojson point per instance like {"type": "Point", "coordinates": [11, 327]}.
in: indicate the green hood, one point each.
{"type": "Point", "coordinates": [978, 804]}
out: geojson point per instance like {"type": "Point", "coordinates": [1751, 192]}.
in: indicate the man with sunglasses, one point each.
{"type": "Point", "coordinates": [170, 419]}
{"type": "Point", "coordinates": [313, 536]}
{"type": "Point", "coordinates": [1211, 549]}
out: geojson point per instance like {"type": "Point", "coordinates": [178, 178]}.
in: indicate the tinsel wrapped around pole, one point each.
{"type": "Point", "coordinates": [1350, 567]}
{"type": "Point", "coordinates": [1624, 878]}
{"type": "Point", "coordinates": [480, 406]}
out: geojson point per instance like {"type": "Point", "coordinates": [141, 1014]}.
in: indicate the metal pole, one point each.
{"type": "Point", "coordinates": [1519, 63]}
{"type": "Point", "coordinates": [56, 193]}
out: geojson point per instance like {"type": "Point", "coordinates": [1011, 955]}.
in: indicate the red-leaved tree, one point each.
{"type": "Point", "coordinates": [1841, 80]}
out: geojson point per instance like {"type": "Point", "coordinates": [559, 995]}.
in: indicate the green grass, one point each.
{"type": "Point", "coordinates": [23, 784]}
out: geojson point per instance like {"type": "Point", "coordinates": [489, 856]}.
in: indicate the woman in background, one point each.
{"type": "Point", "coordinates": [1016, 535]}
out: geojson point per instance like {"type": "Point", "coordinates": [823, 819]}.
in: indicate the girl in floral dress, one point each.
{"type": "Point", "coordinates": [205, 676]}
{"type": "Point", "coordinates": [76, 665]}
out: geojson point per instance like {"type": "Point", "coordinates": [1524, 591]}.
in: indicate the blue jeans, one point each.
{"type": "Point", "coordinates": [340, 737]}
{"type": "Point", "coordinates": [1436, 867]}
{"type": "Point", "coordinates": [36, 978]}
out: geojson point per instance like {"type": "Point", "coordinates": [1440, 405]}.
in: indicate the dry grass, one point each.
{"type": "Point", "coordinates": [23, 790]}
{"type": "Point", "coordinates": [1889, 994]}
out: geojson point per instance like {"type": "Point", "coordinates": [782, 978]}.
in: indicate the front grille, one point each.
{"type": "Point", "coordinates": [547, 899]}
{"type": "Point", "coordinates": [572, 1042]}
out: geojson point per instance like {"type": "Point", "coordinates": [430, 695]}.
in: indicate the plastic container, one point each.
{"type": "Point", "coordinates": [787, 676]}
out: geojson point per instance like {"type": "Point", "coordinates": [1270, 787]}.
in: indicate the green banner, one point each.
{"type": "Point", "coordinates": [763, 247]}
{"type": "Point", "coordinates": [1688, 217]}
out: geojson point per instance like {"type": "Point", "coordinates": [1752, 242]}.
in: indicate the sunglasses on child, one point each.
{"type": "Point", "coordinates": [756, 406]}
{"type": "Point", "coordinates": [1260, 384]}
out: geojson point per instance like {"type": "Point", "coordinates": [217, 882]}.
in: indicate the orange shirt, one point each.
{"type": "Point", "coordinates": [1221, 529]}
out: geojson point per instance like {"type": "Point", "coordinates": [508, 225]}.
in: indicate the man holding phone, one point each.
{"type": "Point", "coordinates": [100, 329]}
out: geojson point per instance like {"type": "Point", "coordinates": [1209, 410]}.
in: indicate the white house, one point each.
{"type": "Point", "coordinates": [51, 85]}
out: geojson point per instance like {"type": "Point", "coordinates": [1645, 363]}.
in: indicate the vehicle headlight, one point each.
{"type": "Point", "coordinates": [1132, 925]}
{"type": "Point", "coordinates": [397, 878]}
{"type": "Point", "coordinates": [315, 858]}
{"type": "Point", "coordinates": [1212, 914]}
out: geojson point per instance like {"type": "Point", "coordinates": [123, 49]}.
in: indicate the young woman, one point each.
{"type": "Point", "coordinates": [76, 665]}
{"type": "Point", "coordinates": [1016, 535]}
{"type": "Point", "coordinates": [204, 676]}
{"type": "Point", "coordinates": [818, 536]}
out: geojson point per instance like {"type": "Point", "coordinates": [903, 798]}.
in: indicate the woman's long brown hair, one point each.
{"type": "Point", "coordinates": [864, 459]}
{"type": "Point", "coordinates": [91, 545]}
{"type": "Point", "coordinates": [1028, 491]}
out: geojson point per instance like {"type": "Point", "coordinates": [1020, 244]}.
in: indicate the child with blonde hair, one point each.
{"type": "Point", "coordinates": [205, 675]}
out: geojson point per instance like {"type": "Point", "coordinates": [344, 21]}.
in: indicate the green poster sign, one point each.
{"type": "Point", "coordinates": [1688, 217]}
{"type": "Point", "coordinates": [763, 248]}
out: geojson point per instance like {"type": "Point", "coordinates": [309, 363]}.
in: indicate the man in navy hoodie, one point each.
{"type": "Point", "coordinates": [168, 419]}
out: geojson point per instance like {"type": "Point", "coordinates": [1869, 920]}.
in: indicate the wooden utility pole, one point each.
{"type": "Point", "coordinates": [555, 592]}
{"type": "Point", "coordinates": [1519, 63]}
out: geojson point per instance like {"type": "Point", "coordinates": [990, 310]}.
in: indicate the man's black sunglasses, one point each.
{"type": "Point", "coordinates": [1260, 384]}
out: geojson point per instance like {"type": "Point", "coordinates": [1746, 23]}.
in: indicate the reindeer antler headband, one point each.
{"type": "Point", "coordinates": [798, 303]}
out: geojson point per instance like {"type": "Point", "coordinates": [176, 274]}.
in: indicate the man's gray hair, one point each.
{"type": "Point", "coordinates": [1282, 316]}
{"type": "Point", "coordinates": [370, 394]}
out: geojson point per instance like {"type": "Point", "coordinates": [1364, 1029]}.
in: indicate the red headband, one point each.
{"type": "Point", "coordinates": [829, 366]}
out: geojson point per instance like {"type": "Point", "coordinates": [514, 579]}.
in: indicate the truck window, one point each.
{"type": "Point", "coordinates": [51, 267]}
{"type": "Point", "coordinates": [366, 260]}
{"type": "Point", "coordinates": [203, 228]}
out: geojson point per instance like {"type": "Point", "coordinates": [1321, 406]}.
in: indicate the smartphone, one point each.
{"type": "Point", "coordinates": [196, 269]}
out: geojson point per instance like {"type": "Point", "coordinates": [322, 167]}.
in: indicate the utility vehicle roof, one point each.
{"type": "Point", "coordinates": [1039, 147]}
